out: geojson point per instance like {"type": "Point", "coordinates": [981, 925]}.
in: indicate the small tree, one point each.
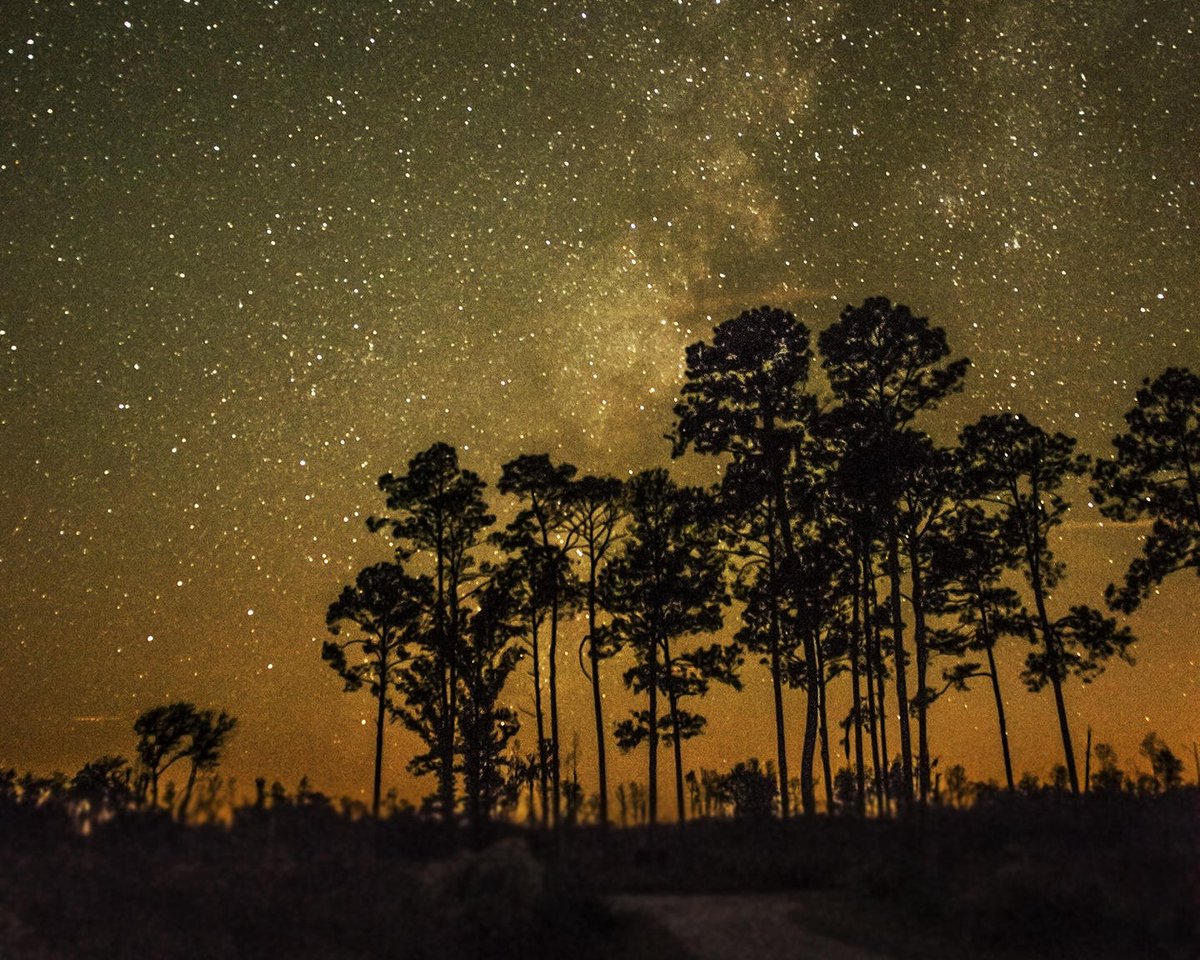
{"type": "Point", "coordinates": [544, 520]}
{"type": "Point", "coordinates": [175, 732]}
{"type": "Point", "coordinates": [210, 732]}
{"type": "Point", "coordinates": [164, 736]}
{"type": "Point", "coordinates": [1168, 768]}
{"type": "Point", "coordinates": [389, 610]}
{"type": "Point", "coordinates": [752, 789]}
{"type": "Point", "coordinates": [105, 785]}
{"type": "Point", "coordinates": [1156, 475]}
{"type": "Point", "coordinates": [1108, 778]}
{"type": "Point", "coordinates": [971, 558]}
{"type": "Point", "coordinates": [487, 725]}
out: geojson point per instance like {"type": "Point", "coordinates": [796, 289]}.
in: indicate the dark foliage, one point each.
{"type": "Point", "coordinates": [295, 882]}
{"type": "Point", "coordinates": [1156, 475]}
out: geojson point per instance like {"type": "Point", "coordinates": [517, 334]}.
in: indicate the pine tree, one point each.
{"type": "Point", "coordinates": [390, 609]}
{"type": "Point", "coordinates": [437, 510]}
{"type": "Point", "coordinates": [1156, 475]}
{"type": "Point", "coordinates": [666, 584]}
{"type": "Point", "coordinates": [885, 367]}
{"type": "Point", "coordinates": [1018, 470]}
{"type": "Point", "coordinates": [745, 395]}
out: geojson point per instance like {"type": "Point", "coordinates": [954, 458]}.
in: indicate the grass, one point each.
{"type": "Point", "coordinates": [1026, 877]}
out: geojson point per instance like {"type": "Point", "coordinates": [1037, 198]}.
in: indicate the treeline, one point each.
{"type": "Point", "coordinates": [854, 549]}
{"type": "Point", "coordinates": [174, 736]}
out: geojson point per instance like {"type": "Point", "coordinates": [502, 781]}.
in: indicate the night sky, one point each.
{"type": "Point", "coordinates": [253, 255]}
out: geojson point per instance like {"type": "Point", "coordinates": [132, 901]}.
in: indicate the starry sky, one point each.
{"type": "Point", "coordinates": [255, 254]}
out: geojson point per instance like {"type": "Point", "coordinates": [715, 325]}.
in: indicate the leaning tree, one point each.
{"type": "Point", "coordinates": [1018, 470]}
{"type": "Point", "coordinates": [164, 735]}
{"type": "Point", "coordinates": [177, 732]}
{"type": "Point", "coordinates": [210, 733]}
{"type": "Point", "coordinates": [971, 557]}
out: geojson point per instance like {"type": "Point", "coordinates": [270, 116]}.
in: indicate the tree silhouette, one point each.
{"type": "Point", "coordinates": [1156, 475]}
{"type": "Point", "coordinates": [164, 735]}
{"type": "Point", "coordinates": [932, 477]}
{"type": "Point", "coordinates": [389, 608]}
{"type": "Point", "coordinates": [751, 789]}
{"type": "Point", "coordinates": [971, 558]}
{"type": "Point", "coordinates": [536, 564]}
{"type": "Point", "coordinates": [1108, 778]}
{"type": "Point", "coordinates": [596, 509]}
{"type": "Point", "coordinates": [105, 785]}
{"type": "Point", "coordinates": [815, 617]}
{"type": "Point", "coordinates": [488, 658]}
{"type": "Point", "coordinates": [178, 731]}
{"type": "Point", "coordinates": [853, 518]}
{"type": "Point", "coordinates": [1019, 469]}
{"type": "Point", "coordinates": [438, 509]}
{"type": "Point", "coordinates": [543, 489]}
{"type": "Point", "coordinates": [883, 366]}
{"type": "Point", "coordinates": [666, 583]}
{"type": "Point", "coordinates": [745, 395]}
{"type": "Point", "coordinates": [768, 626]}
{"type": "Point", "coordinates": [1168, 768]}
{"type": "Point", "coordinates": [209, 733]}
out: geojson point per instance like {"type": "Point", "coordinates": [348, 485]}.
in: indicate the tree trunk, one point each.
{"type": "Point", "coordinates": [860, 792]}
{"type": "Point", "coordinates": [808, 795]}
{"type": "Point", "coordinates": [676, 739]}
{"type": "Point", "coordinates": [783, 518]}
{"type": "Point", "coordinates": [473, 754]}
{"type": "Point", "coordinates": [921, 648]}
{"type": "Point", "coordinates": [823, 727]}
{"type": "Point", "coordinates": [187, 794]}
{"type": "Point", "coordinates": [1008, 769]}
{"type": "Point", "coordinates": [871, 661]}
{"type": "Point", "coordinates": [906, 764]}
{"type": "Point", "coordinates": [1034, 544]}
{"type": "Point", "coordinates": [555, 772]}
{"type": "Point", "coordinates": [1087, 762]}
{"type": "Point", "coordinates": [777, 674]}
{"type": "Point", "coordinates": [447, 747]}
{"type": "Point", "coordinates": [597, 700]}
{"type": "Point", "coordinates": [1054, 660]}
{"type": "Point", "coordinates": [875, 655]}
{"type": "Point", "coordinates": [539, 715]}
{"type": "Point", "coordinates": [446, 677]}
{"type": "Point", "coordinates": [652, 786]}
{"type": "Point", "coordinates": [383, 672]}
{"type": "Point", "coordinates": [881, 698]}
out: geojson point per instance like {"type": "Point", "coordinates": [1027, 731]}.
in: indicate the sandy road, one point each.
{"type": "Point", "coordinates": [740, 926]}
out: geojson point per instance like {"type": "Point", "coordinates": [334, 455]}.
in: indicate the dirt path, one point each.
{"type": "Point", "coordinates": [741, 926]}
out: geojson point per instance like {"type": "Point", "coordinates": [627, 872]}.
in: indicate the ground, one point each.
{"type": "Point", "coordinates": [737, 926]}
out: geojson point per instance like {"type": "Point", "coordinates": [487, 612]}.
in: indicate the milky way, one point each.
{"type": "Point", "coordinates": [256, 254]}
